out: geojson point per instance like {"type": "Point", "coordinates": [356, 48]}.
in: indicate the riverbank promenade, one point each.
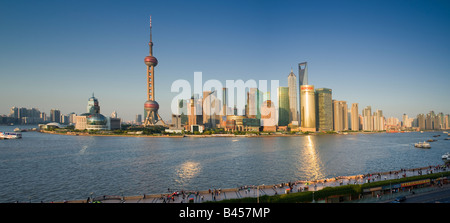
{"type": "Point", "coordinates": [217, 194]}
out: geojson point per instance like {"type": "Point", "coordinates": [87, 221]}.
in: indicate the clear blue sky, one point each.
{"type": "Point", "coordinates": [392, 55]}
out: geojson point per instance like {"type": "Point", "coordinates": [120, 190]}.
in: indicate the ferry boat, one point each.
{"type": "Point", "coordinates": [10, 135]}
{"type": "Point", "coordinates": [422, 145]}
{"type": "Point", "coordinates": [446, 156]}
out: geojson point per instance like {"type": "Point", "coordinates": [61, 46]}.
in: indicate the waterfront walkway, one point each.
{"type": "Point", "coordinates": [217, 194]}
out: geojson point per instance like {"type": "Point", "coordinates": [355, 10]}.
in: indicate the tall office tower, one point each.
{"type": "Point", "coordinates": [378, 120]}
{"type": "Point", "coordinates": [293, 102]}
{"type": "Point", "coordinates": [209, 108]}
{"type": "Point", "coordinates": [324, 109]}
{"type": "Point", "coordinates": [367, 119]}
{"type": "Point", "coordinates": [93, 106]}
{"type": "Point", "coordinates": [345, 114]}
{"type": "Point", "coordinates": [340, 116]}
{"type": "Point", "coordinates": [437, 122]}
{"type": "Point", "coordinates": [14, 112]}
{"type": "Point", "coordinates": [355, 117]}
{"type": "Point", "coordinates": [429, 121]}
{"type": "Point", "coordinates": [224, 101]}
{"type": "Point", "coordinates": [446, 122]}
{"type": "Point", "coordinates": [302, 80]}
{"type": "Point", "coordinates": [138, 119]}
{"type": "Point", "coordinates": [441, 120]}
{"type": "Point", "coordinates": [195, 116]}
{"type": "Point", "coordinates": [421, 121]}
{"type": "Point", "coordinates": [302, 74]}
{"type": "Point", "coordinates": [22, 112]}
{"type": "Point", "coordinates": [151, 106]}
{"type": "Point", "coordinates": [307, 108]}
{"type": "Point", "coordinates": [283, 106]}
{"type": "Point", "coordinates": [404, 120]}
{"type": "Point", "coordinates": [255, 101]}
{"type": "Point", "coordinates": [55, 115]}
{"type": "Point", "coordinates": [114, 114]}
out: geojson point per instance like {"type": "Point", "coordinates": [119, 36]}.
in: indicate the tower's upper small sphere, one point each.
{"type": "Point", "coordinates": [151, 106]}
{"type": "Point", "coordinates": [151, 61]}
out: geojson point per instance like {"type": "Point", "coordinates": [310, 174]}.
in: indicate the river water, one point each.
{"type": "Point", "coordinates": [46, 167]}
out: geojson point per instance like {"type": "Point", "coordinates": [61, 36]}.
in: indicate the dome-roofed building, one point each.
{"type": "Point", "coordinates": [92, 120]}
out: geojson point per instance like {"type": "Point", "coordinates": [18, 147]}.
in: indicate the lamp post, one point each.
{"type": "Point", "coordinates": [257, 194]}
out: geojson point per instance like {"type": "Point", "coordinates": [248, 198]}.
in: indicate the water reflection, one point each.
{"type": "Point", "coordinates": [313, 167]}
{"type": "Point", "coordinates": [187, 171]}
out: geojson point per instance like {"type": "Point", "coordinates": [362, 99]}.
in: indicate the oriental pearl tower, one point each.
{"type": "Point", "coordinates": [151, 106]}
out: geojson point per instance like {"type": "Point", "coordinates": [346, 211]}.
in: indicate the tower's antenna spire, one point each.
{"type": "Point", "coordinates": [150, 28]}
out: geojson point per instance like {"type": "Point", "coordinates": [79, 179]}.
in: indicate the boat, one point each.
{"type": "Point", "coordinates": [446, 156]}
{"type": "Point", "coordinates": [436, 135]}
{"type": "Point", "coordinates": [422, 145]}
{"type": "Point", "coordinates": [432, 140]}
{"type": "Point", "coordinates": [10, 135]}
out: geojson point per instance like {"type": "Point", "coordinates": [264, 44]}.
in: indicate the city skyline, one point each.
{"type": "Point", "coordinates": [368, 54]}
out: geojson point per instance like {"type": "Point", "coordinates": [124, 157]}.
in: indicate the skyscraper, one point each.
{"type": "Point", "coordinates": [138, 119]}
{"type": "Point", "coordinates": [378, 120]}
{"type": "Point", "coordinates": [324, 109]}
{"type": "Point", "coordinates": [255, 101]}
{"type": "Point", "coordinates": [210, 106]}
{"type": "Point", "coordinates": [421, 121]}
{"type": "Point", "coordinates": [429, 120]}
{"type": "Point", "coordinates": [224, 101]}
{"type": "Point", "coordinates": [283, 106]}
{"type": "Point", "coordinates": [307, 108]}
{"type": "Point", "coordinates": [446, 122]}
{"type": "Point", "coordinates": [151, 106]}
{"type": "Point", "coordinates": [55, 115]}
{"type": "Point", "coordinates": [340, 115]}
{"type": "Point", "coordinates": [293, 102]}
{"type": "Point", "coordinates": [367, 119]}
{"type": "Point", "coordinates": [93, 106]}
{"type": "Point", "coordinates": [302, 73]}
{"type": "Point", "coordinates": [355, 117]}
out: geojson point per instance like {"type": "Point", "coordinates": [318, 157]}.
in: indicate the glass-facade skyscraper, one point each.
{"type": "Point", "coordinates": [307, 108]}
{"type": "Point", "coordinates": [293, 102]}
{"type": "Point", "coordinates": [302, 73]}
{"type": "Point", "coordinates": [283, 106]}
{"type": "Point", "coordinates": [324, 109]}
{"type": "Point", "coordinates": [302, 80]}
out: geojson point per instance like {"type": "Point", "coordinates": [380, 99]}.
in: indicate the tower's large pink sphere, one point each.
{"type": "Point", "coordinates": [151, 61]}
{"type": "Point", "coordinates": [151, 106]}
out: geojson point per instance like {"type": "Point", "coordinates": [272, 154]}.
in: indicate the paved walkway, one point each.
{"type": "Point", "coordinates": [254, 191]}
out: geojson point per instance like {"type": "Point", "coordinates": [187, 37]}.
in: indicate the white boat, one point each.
{"type": "Point", "coordinates": [10, 135]}
{"type": "Point", "coordinates": [422, 145]}
{"type": "Point", "coordinates": [446, 156]}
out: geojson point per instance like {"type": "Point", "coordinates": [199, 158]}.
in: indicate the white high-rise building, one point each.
{"type": "Point", "coordinates": [355, 117]}
{"type": "Point", "coordinates": [340, 116]}
{"type": "Point", "coordinates": [367, 119]}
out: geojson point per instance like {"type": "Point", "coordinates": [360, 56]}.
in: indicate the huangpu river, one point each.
{"type": "Point", "coordinates": [48, 167]}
